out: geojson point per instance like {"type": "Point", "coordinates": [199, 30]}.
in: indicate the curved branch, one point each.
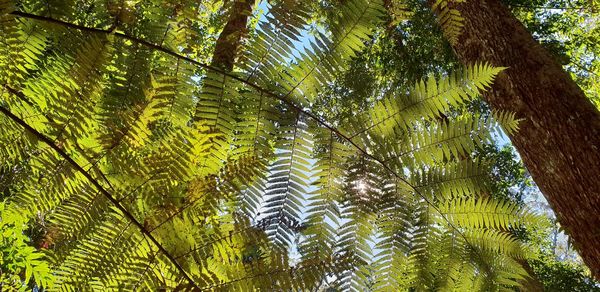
{"type": "Point", "coordinates": [99, 187]}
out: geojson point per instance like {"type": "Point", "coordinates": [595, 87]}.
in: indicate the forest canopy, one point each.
{"type": "Point", "coordinates": [269, 145]}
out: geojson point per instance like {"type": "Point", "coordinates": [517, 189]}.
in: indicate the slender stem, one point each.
{"type": "Point", "coordinates": [100, 188]}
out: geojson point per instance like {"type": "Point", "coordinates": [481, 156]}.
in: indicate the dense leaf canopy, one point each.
{"type": "Point", "coordinates": [147, 167]}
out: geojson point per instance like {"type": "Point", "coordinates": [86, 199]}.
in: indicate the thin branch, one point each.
{"type": "Point", "coordinates": [24, 98]}
{"type": "Point", "coordinates": [89, 177]}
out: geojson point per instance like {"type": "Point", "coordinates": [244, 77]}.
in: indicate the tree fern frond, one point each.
{"type": "Point", "coordinates": [459, 179]}
{"type": "Point", "coordinates": [423, 237]}
{"type": "Point", "coordinates": [323, 211]}
{"type": "Point", "coordinates": [449, 19]}
{"type": "Point", "coordinates": [439, 142]}
{"type": "Point", "coordinates": [427, 100]}
{"type": "Point", "coordinates": [288, 180]}
{"type": "Point", "coordinates": [99, 187]}
{"type": "Point", "coordinates": [98, 249]}
{"type": "Point", "coordinates": [486, 213]}
{"type": "Point", "coordinates": [399, 11]}
{"type": "Point", "coordinates": [55, 182]}
{"type": "Point", "coordinates": [396, 224]}
{"type": "Point", "coordinates": [497, 271]}
{"type": "Point", "coordinates": [354, 239]}
{"type": "Point", "coordinates": [76, 84]}
{"type": "Point", "coordinates": [255, 127]}
{"type": "Point", "coordinates": [23, 42]}
{"type": "Point", "coordinates": [507, 121]}
{"type": "Point", "coordinates": [274, 41]}
{"type": "Point", "coordinates": [134, 129]}
{"type": "Point", "coordinates": [216, 109]}
{"type": "Point", "coordinates": [317, 67]}
{"type": "Point", "coordinates": [496, 241]}
{"type": "Point", "coordinates": [174, 92]}
{"type": "Point", "coordinates": [355, 236]}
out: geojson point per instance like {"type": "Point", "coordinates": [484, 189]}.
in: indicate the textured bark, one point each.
{"type": "Point", "coordinates": [559, 138]}
{"type": "Point", "coordinates": [232, 35]}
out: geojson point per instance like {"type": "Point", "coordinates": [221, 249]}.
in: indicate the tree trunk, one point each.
{"type": "Point", "coordinates": [228, 43]}
{"type": "Point", "coordinates": [232, 35]}
{"type": "Point", "coordinates": [559, 138]}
